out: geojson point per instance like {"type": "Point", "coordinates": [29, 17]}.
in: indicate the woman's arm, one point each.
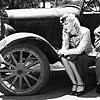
{"type": "Point", "coordinates": [82, 45]}
{"type": "Point", "coordinates": [65, 41]}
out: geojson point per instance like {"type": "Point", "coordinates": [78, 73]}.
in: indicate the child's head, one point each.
{"type": "Point", "coordinates": [70, 23]}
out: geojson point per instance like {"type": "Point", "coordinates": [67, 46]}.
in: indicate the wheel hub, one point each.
{"type": "Point", "coordinates": [20, 72]}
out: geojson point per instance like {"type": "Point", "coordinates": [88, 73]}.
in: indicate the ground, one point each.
{"type": "Point", "coordinates": [57, 88]}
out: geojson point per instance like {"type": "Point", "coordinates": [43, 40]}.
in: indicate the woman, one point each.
{"type": "Point", "coordinates": [77, 52]}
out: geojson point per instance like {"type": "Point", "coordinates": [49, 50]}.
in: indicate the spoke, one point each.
{"type": "Point", "coordinates": [92, 5]}
{"type": "Point", "coordinates": [28, 57]}
{"type": "Point", "coordinates": [91, 8]}
{"type": "Point", "coordinates": [21, 56]}
{"type": "Point", "coordinates": [33, 64]}
{"type": "Point", "coordinates": [14, 59]}
{"type": "Point", "coordinates": [32, 70]}
{"type": "Point", "coordinates": [25, 78]}
{"type": "Point", "coordinates": [20, 82]}
{"type": "Point", "coordinates": [8, 77]}
{"type": "Point", "coordinates": [95, 6]}
{"type": "Point", "coordinates": [34, 78]}
{"type": "Point", "coordinates": [6, 70]}
{"type": "Point", "coordinates": [9, 64]}
{"type": "Point", "coordinates": [15, 79]}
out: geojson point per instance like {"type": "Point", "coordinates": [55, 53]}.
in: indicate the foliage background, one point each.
{"type": "Point", "coordinates": [18, 4]}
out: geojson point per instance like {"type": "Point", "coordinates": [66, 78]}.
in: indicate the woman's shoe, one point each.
{"type": "Point", "coordinates": [79, 93]}
{"type": "Point", "coordinates": [98, 88]}
{"type": "Point", "coordinates": [73, 92]}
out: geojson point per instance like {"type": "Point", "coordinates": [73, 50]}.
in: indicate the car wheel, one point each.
{"type": "Point", "coordinates": [26, 70]}
{"type": "Point", "coordinates": [91, 5]}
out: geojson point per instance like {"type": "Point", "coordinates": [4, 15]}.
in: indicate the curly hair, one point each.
{"type": "Point", "coordinates": [70, 18]}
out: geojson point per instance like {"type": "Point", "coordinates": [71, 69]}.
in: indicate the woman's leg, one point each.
{"type": "Point", "coordinates": [69, 71]}
{"type": "Point", "coordinates": [78, 78]}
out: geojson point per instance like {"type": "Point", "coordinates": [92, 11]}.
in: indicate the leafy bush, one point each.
{"type": "Point", "coordinates": [18, 4]}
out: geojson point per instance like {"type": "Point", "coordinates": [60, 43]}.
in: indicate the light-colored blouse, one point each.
{"type": "Point", "coordinates": [79, 43]}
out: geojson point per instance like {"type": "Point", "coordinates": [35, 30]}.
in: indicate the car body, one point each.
{"type": "Point", "coordinates": [31, 44]}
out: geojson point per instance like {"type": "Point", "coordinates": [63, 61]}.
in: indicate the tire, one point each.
{"type": "Point", "coordinates": [26, 70]}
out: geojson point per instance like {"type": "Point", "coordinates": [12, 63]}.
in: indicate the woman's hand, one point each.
{"type": "Point", "coordinates": [61, 52]}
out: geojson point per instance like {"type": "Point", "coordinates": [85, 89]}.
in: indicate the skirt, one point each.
{"type": "Point", "coordinates": [83, 62]}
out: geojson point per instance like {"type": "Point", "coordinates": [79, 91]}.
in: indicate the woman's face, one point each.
{"type": "Point", "coordinates": [67, 26]}
{"type": "Point", "coordinates": [73, 32]}
{"type": "Point", "coordinates": [70, 28]}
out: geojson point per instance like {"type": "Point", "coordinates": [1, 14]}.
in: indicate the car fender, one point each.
{"type": "Point", "coordinates": [11, 39]}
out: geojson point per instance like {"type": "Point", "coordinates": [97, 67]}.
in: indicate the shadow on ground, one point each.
{"type": "Point", "coordinates": [58, 88]}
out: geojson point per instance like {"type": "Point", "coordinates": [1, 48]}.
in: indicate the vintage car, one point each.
{"type": "Point", "coordinates": [29, 45]}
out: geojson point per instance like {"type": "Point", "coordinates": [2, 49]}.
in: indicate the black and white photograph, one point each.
{"type": "Point", "coordinates": [49, 49]}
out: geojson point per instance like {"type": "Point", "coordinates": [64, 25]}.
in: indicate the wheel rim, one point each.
{"type": "Point", "coordinates": [23, 71]}
{"type": "Point", "coordinates": [92, 5]}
